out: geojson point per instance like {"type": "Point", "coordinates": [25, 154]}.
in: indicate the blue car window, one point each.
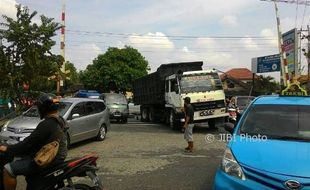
{"type": "Point", "coordinates": [277, 121]}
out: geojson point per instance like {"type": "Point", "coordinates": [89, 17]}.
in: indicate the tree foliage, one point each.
{"type": "Point", "coordinates": [121, 66]}
{"type": "Point", "coordinates": [72, 77]}
{"type": "Point", "coordinates": [25, 54]}
{"type": "Point", "coordinates": [266, 85]}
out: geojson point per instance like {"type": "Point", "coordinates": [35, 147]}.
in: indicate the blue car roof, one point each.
{"type": "Point", "coordinates": [284, 100]}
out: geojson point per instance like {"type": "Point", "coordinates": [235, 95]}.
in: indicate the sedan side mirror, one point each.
{"type": "Point", "coordinates": [229, 127]}
{"type": "Point", "coordinates": [76, 115]}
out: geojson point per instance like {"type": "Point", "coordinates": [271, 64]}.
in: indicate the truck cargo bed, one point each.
{"type": "Point", "coordinates": [150, 89]}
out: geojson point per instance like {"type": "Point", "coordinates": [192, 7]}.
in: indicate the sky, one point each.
{"type": "Point", "coordinates": [224, 34]}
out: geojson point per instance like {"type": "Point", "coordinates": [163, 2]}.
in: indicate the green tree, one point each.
{"type": "Point", "coordinates": [266, 85]}
{"type": "Point", "coordinates": [121, 66]}
{"type": "Point", "coordinates": [72, 77]}
{"type": "Point", "coordinates": [25, 55]}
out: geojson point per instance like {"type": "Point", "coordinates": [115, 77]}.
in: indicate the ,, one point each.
{"type": "Point", "coordinates": [87, 118]}
{"type": "Point", "coordinates": [280, 160]}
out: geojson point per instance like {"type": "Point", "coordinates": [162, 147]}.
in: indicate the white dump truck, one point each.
{"type": "Point", "coordinates": [160, 94]}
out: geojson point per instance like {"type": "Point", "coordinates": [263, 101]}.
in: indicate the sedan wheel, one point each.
{"type": "Point", "coordinates": [102, 133]}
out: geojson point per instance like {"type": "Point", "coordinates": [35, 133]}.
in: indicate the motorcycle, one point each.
{"type": "Point", "coordinates": [60, 176]}
{"type": "Point", "coordinates": [232, 118]}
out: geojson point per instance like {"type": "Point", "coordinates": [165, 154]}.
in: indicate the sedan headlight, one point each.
{"type": "Point", "coordinates": [5, 126]}
{"type": "Point", "coordinates": [231, 166]}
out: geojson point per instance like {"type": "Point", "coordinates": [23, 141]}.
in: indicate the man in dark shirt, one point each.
{"type": "Point", "coordinates": [48, 130]}
{"type": "Point", "coordinates": [189, 124]}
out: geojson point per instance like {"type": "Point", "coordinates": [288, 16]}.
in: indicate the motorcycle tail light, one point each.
{"type": "Point", "coordinates": [232, 113]}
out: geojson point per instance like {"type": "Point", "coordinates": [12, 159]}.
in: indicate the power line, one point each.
{"type": "Point", "coordinates": [219, 49]}
{"type": "Point", "coordinates": [154, 43]}
{"type": "Point", "coordinates": [80, 32]}
{"type": "Point", "coordinates": [265, 45]}
{"type": "Point", "coordinates": [303, 2]}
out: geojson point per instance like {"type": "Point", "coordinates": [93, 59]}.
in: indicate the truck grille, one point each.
{"type": "Point", "coordinates": [208, 105]}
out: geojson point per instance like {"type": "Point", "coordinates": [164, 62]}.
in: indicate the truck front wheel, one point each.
{"type": "Point", "coordinates": [212, 123]}
{"type": "Point", "coordinates": [172, 121]}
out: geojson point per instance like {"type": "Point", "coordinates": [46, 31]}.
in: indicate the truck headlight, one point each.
{"type": "Point", "coordinates": [5, 126]}
{"type": "Point", "coordinates": [230, 166]}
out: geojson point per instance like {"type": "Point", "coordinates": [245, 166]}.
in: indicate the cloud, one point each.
{"type": "Point", "coordinates": [287, 24]}
{"type": "Point", "coordinates": [82, 55]}
{"type": "Point", "coordinates": [156, 47]}
{"type": "Point", "coordinates": [185, 49]}
{"type": "Point", "coordinates": [7, 7]}
{"type": "Point", "coordinates": [270, 35]}
{"type": "Point", "coordinates": [229, 21]}
{"type": "Point", "coordinates": [156, 40]}
{"type": "Point", "coordinates": [249, 43]}
{"type": "Point", "coordinates": [187, 13]}
{"type": "Point", "coordinates": [214, 54]}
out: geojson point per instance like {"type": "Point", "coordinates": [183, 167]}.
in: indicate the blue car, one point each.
{"type": "Point", "coordinates": [269, 147]}
{"type": "Point", "coordinates": [87, 94]}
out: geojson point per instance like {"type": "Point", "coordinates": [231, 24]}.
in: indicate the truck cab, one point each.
{"type": "Point", "coordinates": [205, 90]}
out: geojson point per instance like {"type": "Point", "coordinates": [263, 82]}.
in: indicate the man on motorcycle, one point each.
{"type": "Point", "coordinates": [51, 128]}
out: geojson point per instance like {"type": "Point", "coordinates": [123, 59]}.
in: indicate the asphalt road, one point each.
{"type": "Point", "coordinates": [150, 156]}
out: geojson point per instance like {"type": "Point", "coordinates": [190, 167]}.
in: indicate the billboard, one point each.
{"type": "Point", "coordinates": [272, 63]}
{"type": "Point", "coordinates": [290, 46]}
{"type": "Point", "coordinates": [265, 64]}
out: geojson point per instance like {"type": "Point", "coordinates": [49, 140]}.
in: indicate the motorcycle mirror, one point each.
{"type": "Point", "coordinates": [229, 127]}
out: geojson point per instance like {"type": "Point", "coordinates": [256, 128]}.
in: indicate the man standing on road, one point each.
{"type": "Point", "coordinates": [189, 124]}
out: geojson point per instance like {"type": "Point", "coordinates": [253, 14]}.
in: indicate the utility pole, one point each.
{"type": "Point", "coordinates": [284, 69]}
{"type": "Point", "coordinates": [60, 80]}
{"type": "Point", "coordinates": [308, 58]}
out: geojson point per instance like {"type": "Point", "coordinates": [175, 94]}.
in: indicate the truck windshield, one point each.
{"type": "Point", "coordinates": [200, 83]}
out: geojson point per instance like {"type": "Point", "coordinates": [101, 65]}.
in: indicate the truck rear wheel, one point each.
{"type": "Point", "coordinates": [152, 115]}
{"type": "Point", "coordinates": [144, 114]}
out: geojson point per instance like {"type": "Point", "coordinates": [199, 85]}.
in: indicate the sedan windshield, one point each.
{"type": "Point", "coordinates": [278, 121]}
{"type": "Point", "coordinates": [200, 82]}
{"type": "Point", "coordinates": [33, 111]}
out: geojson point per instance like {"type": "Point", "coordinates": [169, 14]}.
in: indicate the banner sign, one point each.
{"type": "Point", "coordinates": [270, 63]}
{"type": "Point", "coordinates": [290, 45]}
